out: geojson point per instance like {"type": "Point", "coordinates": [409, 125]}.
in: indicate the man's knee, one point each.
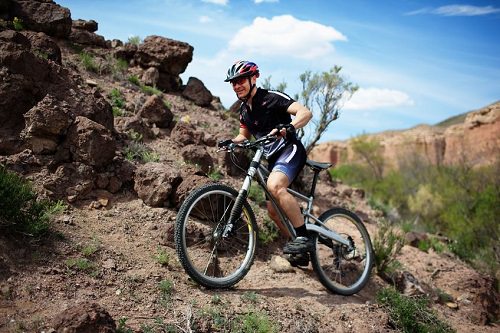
{"type": "Point", "coordinates": [276, 189]}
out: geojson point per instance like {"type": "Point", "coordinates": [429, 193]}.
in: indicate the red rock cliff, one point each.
{"type": "Point", "coordinates": [476, 140]}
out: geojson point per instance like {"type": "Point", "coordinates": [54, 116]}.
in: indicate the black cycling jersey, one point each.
{"type": "Point", "coordinates": [269, 109]}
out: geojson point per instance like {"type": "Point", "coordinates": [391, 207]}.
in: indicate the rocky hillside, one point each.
{"type": "Point", "coordinates": [473, 138]}
{"type": "Point", "coordinates": [110, 129]}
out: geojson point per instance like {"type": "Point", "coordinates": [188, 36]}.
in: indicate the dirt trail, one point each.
{"type": "Point", "coordinates": [124, 277]}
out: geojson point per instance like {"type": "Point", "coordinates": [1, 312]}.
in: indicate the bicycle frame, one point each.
{"type": "Point", "coordinates": [261, 173]}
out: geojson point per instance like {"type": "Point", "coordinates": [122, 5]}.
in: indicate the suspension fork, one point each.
{"type": "Point", "coordinates": [243, 193]}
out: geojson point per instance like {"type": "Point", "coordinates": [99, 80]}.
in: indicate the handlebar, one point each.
{"type": "Point", "coordinates": [250, 144]}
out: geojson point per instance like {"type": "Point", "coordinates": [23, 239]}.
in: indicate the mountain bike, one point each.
{"type": "Point", "coordinates": [216, 232]}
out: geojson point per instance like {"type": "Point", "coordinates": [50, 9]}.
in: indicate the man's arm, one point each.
{"type": "Point", "coordinates": [243, 135]}
{"type": "Point", "coordinates": [301, 113]}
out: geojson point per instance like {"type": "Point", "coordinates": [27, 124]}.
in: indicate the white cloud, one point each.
{"type": "Point", "coordinates": [287, 36]}
{"type": "Point", "coordinates": [217, 2]}
{"type": "Point", "coordinates": [373, 98]}
{"type": "Point", "coordinates": [457, 10]}
{"type": "Point", "coordinates": [261, 1]}
{"type": "Point", "coordinates": [205, 19]}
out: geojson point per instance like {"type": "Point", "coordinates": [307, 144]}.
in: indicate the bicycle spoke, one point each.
{"type": "Point", "coordinates": [211, 252]}
{"type": "Point", "coordinates": [343, 269]}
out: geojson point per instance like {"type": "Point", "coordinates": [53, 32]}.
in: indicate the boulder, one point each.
{"type": "Point", "coordinates": [126, 51]}
{"type": "Point", "coordinates": [136, 124]}
{"type": "Point", "coordinates": [70, 180]}
{"type": "Point", "coordinates": [91, 143]}
{"type": "Point", "coordinates": [157, 112]}
{"type": "Point", "coordinates": [196, 91]}
{"type": "Point", "coordinates": [90, 26]}
{"type": "Point", "coordinates": [85, 37]}
{"type": "Point", "coordinates": [43, 46]}
{"type": "Point", "coordinates": [185, 134]}
{"type": "Point", "coordinates": [199, 156]}
{"type": "Point", "coordinates": [155, 183]}
{"type": "Point", "coordinates": [188, 184]}
{"type": "Point", "coordinates": [44, 16]}
{"type": "Point", "coordinates": [46, 123]}
{"type": "Point", "coordinates": [169, 56]}
{"type": "Point", "coordinates": [231, 167]}
{"type": "Point", "coordinates": [414, 238]}
{"type": "Point", "coordinates": [84, 317]}
{"type": "Point", "coordinates": [27, 79]}
{"type": "Point", "coordinates": [151, 76]}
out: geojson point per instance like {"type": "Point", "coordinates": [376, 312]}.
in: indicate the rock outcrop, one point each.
{"type": "Point", "coordinates": [476, 141]}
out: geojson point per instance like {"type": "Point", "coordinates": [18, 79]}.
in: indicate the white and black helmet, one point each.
{"type": "Point", "coordinates": [242, 68]}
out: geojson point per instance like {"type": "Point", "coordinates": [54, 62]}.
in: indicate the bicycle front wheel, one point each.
{"type": "Point", "coordinates": [215, 252]}
{"type": "Point", "coordinates": [343, 269]}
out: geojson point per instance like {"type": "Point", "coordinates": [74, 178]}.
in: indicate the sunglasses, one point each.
{"type": "Point", "coordinates": [238, 81]}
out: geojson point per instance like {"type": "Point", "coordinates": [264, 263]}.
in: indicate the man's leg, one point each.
{"type": "Point", "coordinates": [274, 216]}
{"type": "Point", "coordinates": [277, 184]}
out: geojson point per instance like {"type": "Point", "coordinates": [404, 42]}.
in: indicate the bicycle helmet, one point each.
{"type": "Point", "coordinates": [242, 68]}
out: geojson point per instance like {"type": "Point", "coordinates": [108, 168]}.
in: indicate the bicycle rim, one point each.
{"type": "Point", "coordinates": [213, 254]}
{"type": "Point", "coordinates": [340, 269]}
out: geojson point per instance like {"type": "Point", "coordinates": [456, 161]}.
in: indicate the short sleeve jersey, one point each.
{"type": "Point", "coordinates": [269, 109]}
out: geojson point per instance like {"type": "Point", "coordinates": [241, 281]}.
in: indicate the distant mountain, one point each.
{"type": "Point", "coordinates": [472, 137]}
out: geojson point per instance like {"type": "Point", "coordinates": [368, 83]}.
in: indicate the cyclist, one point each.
{"type": "Point", "coordinates": [263, 112]}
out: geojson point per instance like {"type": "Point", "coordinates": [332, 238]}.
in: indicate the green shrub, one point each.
{"type": "Point", "coordinates": [256, 194]}
{"type": "Point", "coordinates": [150, 156]}
{"type": "Point", "coordinates": [116, 98]}
{"type": "Point", "coordinates": [460, 202]}
{"type": "Point", "coordinates": [17, 23]}
{"type": "Point", "coordinates": [162, 257]}
{"type": "Point", "coordinates": [386, 246]}
{"type": "Point", "coordinates": [148, 90]}
{"type": "Point", "coordinates": [140, 152]}
{"type": "Point", "coordinates": [136, 40]}
{"type": "Point", "coordinates": [117, 66]}
{"type": "Point", "coordinates": [214, 174]}
{"type": "Point", "coordinates": [134, 80]}
{"type": "Point", "coordinates": [80, 264]}
{"type": "Point", "coordinates": [250, 296]}
{"type": "Point", "coordinates": [135, 136]}
{"type": "Point", "coordinates": [20, 209]}
{"type": "Point", "coordinates": [88, 62]}
{"type": "Point", "coordinates": [166, 288]}
{"type": "Point", "coordinates": [91, 248]}
{"type": "Point", "coordinates": [411, 314]}
{"type": "Point", "coordinates": [268, 232]}
{"type": "Point", "coordinates": [117, 102]}
{"type": "Point", "coordinates": [122, 326]}
{"type": "Point", "coordinates": [255, 322]}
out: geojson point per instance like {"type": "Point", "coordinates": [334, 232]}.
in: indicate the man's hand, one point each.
{"type": "Point", "coordinates": [285, 130]}
{"type": "Point", "coordinates": [224, 143]}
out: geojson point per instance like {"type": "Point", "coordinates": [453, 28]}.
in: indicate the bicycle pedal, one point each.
{"type": "Point", "coordinates": [301, 259]}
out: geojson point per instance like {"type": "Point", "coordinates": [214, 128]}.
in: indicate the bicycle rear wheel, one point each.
{"type": "Point", "coordinates": [341, 269]}
{"type": "Point", "coordinates": [214, 252]}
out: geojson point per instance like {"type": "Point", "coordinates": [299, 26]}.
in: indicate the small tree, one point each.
{"type": "Point", "coordinates": [323, 94]}
{"type": "Point", "coordinates": [369, 150]}
{"type": "Point", "coordinates": [266, 84]}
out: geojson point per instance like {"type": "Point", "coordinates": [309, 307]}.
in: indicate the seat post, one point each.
{"type": "Point", "coordinates": [314, 181]}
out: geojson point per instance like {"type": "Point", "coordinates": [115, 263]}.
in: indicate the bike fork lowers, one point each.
{"type": "Point", "coordinates": [242, 195]}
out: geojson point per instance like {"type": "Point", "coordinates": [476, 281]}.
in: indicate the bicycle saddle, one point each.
{"type": "Point", "coordinates": [317, 165]}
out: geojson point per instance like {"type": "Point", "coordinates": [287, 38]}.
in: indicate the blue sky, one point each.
{"type": "Point", "coordinates": [415, 61]}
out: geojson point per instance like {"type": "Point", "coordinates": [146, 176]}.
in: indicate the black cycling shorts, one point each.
{"type": "Point", "coordinates": [289, 161]}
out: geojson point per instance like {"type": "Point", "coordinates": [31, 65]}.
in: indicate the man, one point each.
{"type": "Point", "coordinates": [261, 113]}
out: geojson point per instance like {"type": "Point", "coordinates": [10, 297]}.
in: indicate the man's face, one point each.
{"type": "Point", "coordinates": [241, 85]}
